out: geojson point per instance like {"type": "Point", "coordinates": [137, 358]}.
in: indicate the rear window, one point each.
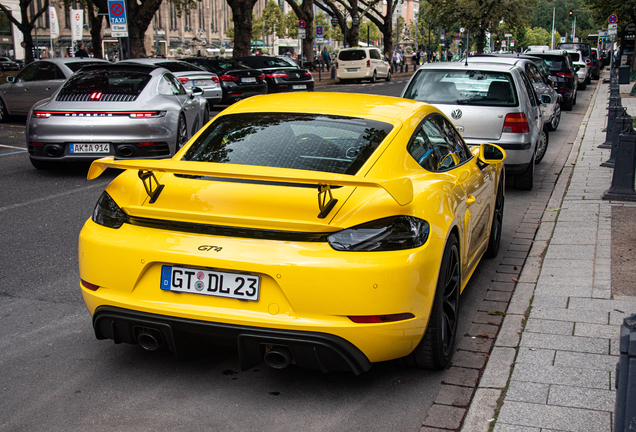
{"type": "Point", "coordinates": [312, 142]}
{"type": "Point", "coordinates": [575, 57]}
{"type": "Point", "coordinates": [554, 63]}
{"type": "Point", "coordinates": [350, 55]}
{"type": "Point", "coordinates": [463, 87]}
{"type": "Point", "coordinates": [110, 84]}
{"type": "Point", "coordinates": [179, 67]}
{"type": "Point", "coordinates": [75, 66]}
{"type": "Point", "coordinates": [269, 62]}
{"type": "Point", "coordinates": [584, 48]}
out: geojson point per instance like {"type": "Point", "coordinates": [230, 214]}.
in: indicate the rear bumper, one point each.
{"type": "Point", "coordinates": [311, 350]}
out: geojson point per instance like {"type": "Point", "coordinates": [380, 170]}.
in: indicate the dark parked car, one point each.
{"type": "Point", "coordinates": [6, 64]}
{"type": "Point", "coordinates": [281, 77]}
{"type": "Point", "coordinates": [237, 80]}
{"type": "Point", "coordinates": [563, 73]}
{"type": "Point", "coordinates": [586, 50]}
{"type": "Point", "coordinates": [596, 64]}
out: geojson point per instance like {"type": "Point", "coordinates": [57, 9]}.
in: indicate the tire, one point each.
{"type": "Point", "coordinates": [574, 100]}
{"type": "Point", "coordinates": [436, 347]}
{"type": "Point", "coordinates": [182, 134]}
{"type": "Point", "coordinates": [374, 78]}
{"type": "Point", "coordinates": [497, 223]}
{"type": "Point", "coordinates": [542, 145]}
{"type": "Point", "coordinates": [567, 105]}
{"type": "Point", "coordinates": [525, 180]}
{"type": "Point", "coordinates": [583, 86]}
{"type": "Point", "coordinates": [556, 120]}
{"type": "Point", "coordinates": [388, 76]}
{"type": "Point", "coordinates": [4, 115]}
{"type": "Point", "coordinates": [206, 116]}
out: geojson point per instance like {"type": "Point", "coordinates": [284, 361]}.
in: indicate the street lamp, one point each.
{"type": "Point", "coordinates": [355, 21]}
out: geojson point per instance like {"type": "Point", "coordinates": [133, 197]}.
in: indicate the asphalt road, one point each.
{"type": "Point", "coordinates": [55, 376]}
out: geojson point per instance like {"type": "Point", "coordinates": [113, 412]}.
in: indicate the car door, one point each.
{"type": "Point", "coordinates": [190, 106]}
{"type": "Point", "coordinates": [532, 108]}
{"type": "Point", "coordinates": [15, 95]}
{"type": "Point", "coordinates": [48, 79]}
{"type": "Point", "coordinates": [437, 147]}
{"type": "Point", "coordinates": [541, 89]}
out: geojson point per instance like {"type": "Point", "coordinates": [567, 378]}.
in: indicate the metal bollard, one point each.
{"type": "Point", "coordinates": [613, 113]}
{"type": "Point", "coordinates": [622, 187]}
{"type": "Point", "coordinates": [625, 409]}
{"type": "Point", "coordinates": [401, 67]}
{"type": "Point", "coordinates": [620, 126]}
{"type": "Point", "coordinates": [333, 72]}
{"type": "Point", "coordinates": [406, 68]}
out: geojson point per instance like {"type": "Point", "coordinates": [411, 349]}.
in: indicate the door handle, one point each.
{"type": "Point", "coordinates": [470, 200]}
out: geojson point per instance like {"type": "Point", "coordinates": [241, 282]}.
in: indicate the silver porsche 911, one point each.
{"type": "Point", "coordinates": [126, 111]}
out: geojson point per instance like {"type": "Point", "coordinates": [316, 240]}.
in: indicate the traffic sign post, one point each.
{"type": "Point", "coordinates": [117, 17]}
{"type": "Point", "coordinates": [612, 19]}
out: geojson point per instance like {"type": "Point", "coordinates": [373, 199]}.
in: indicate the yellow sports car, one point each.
{"type": "Point", "coordinates": [330, 231]}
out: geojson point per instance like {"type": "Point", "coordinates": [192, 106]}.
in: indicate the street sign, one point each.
{"type": "Point", "coordinates": [319, 35]}
{"type": "Point", "coordinates": [301, 33]}
{"type": "Point", "coordinates": [512, 43]}
{"type": "Point", "coordinates": [562, 39]}
{"type": "Point", "coordinates": [612, 19]}
{"type": "Point", "coordinates": [442, 33]}
{"type": "Point", "coordinates": [612, 29]}
{"type": "Point", "coordinates": [576, 39]}
{"type": "Point", "coordinates": [503, 43]}
{"type": "Point", "coordinates": [461, 29]}
{"type": "Point", "coordinates": [302, 24]}
{"type": "Point", "coordinates": [117, 16]}
{"type": "Point", "coordinates": [508, 35]}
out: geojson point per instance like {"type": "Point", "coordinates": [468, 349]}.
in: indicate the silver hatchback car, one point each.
{"type": "Point", "coordinates": [487, 102]}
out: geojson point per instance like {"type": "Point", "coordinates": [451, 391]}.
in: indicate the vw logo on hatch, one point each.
{"type": "Point", "coordinates": [456, 114]}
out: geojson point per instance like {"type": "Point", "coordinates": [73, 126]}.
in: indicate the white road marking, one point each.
{"type": "Point", "coordinates": [12, 147]}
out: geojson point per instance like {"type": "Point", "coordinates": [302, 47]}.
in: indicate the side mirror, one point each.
{"type": "Point", "coordinates": [491, 154]}
{"type": "Point", "coordinates": [196, 91]}
{"type": "Point", "coordinates": [11, 79]}
{"type": "Point", "coordinates": [545, 99]}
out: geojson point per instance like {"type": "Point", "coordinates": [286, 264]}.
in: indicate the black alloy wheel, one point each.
{"type": "Point", "coordinates": [3, 112]}
{"type": "Point", "coordinates": [436, 347]}
{"type": "Point", "coordinates": [497, 223]}
{"type": "Point", "coordinates": [182, 134]}
{"type": "Point", "coordinates": [388, 76]}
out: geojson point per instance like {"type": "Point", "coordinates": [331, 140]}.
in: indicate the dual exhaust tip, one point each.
{"type": "Point", "coordinates": [276, 357]}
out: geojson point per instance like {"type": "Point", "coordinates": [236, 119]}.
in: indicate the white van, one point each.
{"type": "Point", "coordinates": [362, 63]}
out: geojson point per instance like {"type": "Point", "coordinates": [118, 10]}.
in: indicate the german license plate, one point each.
{"type": "Point", "coordinates": [352, 70]}
{"type": "Point", "coordinates": [210, 282]}
{"type": "Point", "coordinates": [248, 80]}
{"type": "Point", "coordinates": [90, 148]}
{"type": "Point", "coordinates": [300, 87]}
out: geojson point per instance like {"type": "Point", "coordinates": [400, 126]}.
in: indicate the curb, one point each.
{"type": "Point", "coordinates": [492, 387]}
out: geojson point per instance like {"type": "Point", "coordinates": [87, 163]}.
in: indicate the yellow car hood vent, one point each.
{"type": "Point", "coordinates": [263, 200]}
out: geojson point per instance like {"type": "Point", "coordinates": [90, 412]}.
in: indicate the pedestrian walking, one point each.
{"type": "Point", "coordinates": [326, 58]}
{"type": "Point", "coordinates": [397, 59]}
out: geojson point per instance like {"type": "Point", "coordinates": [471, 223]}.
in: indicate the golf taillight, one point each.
{"type": "Point", "coordinates": [183, 80]}
{"type": "Point", "coordinates": [226, 77]}
{"type": "Point", "coordinates": [516, 123]}
{"type": "Point", "coordinates": [378, 319]}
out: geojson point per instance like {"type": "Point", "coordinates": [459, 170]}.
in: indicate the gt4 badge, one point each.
{"type": "Point", "coordinates": [209, 248]}
{"type": "Point", "coordinates": [456, 114]}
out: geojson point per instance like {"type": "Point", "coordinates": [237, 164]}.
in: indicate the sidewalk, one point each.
{"type": "Point", "coordinates": [557, 373]}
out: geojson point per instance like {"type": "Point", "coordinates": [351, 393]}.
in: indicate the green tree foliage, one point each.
{"type": "Point", "coordinates": [25, 23]}
{"type": "Point", "coordinates": [370, 32]}
{"type": "Point", "coordinates": [243, 25]}
{"type": "Point", "coordinates": [274, 19]}
{"type": "Point", "coordinates": [480, 16]}
{"type": "Point", "coordinates": [537, 36]}
{"type": "Point", "coordinates": [291, 24]}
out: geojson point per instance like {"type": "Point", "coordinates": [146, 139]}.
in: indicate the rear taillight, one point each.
{"type": "Point", "coordinates": [226, 77]}
{"type": "Point", "coordinates": [516, 123]}
{"type": "Point", "coordinates": [42, 114]}
{"type": "Point", "coordinates": [589, 63]}
{"type": "Point", "coordinates": [262, 77]}
{"type": "Point", "coordinates": [307, 74]}
{"type": "Point", "coordinates": [368, 63]}
{"type": "Point", "coordinates": [337, 65]}
{"type": "Point", "coordinates": [89, 285]}
{"type": "Point", "coordinates": [183, 80]}
{"type": "Point", "coordinates": [277, 75]}
{"type": "Point", "coordinates": [564, 74]}
{"type": "Point", "coordinates": [215, 79]}
{"type": "Point", "coordinates": [145, 114]}
{"type": "Point", "coordinates": [36, 143]}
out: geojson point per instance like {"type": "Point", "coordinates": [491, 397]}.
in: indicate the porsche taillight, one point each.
{"type": "Point", "coordinates": [516, 123]}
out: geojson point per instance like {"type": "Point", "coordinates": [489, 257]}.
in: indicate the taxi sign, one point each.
{"type": "Point", "coordinates": [117, 17]}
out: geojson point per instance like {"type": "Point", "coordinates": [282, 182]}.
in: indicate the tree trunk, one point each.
{"type": "Point", "coordinates": [305, 13]}
{"type": "Point", "coordinates": [242, 15]}
{"type": "Point", "coordinates": [94, 8]}
{"type": "Point", "coordinates": [139, 18]}
{"type": "Point", "coordinates": [28, 43]}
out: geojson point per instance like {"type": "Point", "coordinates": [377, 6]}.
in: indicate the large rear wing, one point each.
{"type": "Point", "coordinates": [400, 189]}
